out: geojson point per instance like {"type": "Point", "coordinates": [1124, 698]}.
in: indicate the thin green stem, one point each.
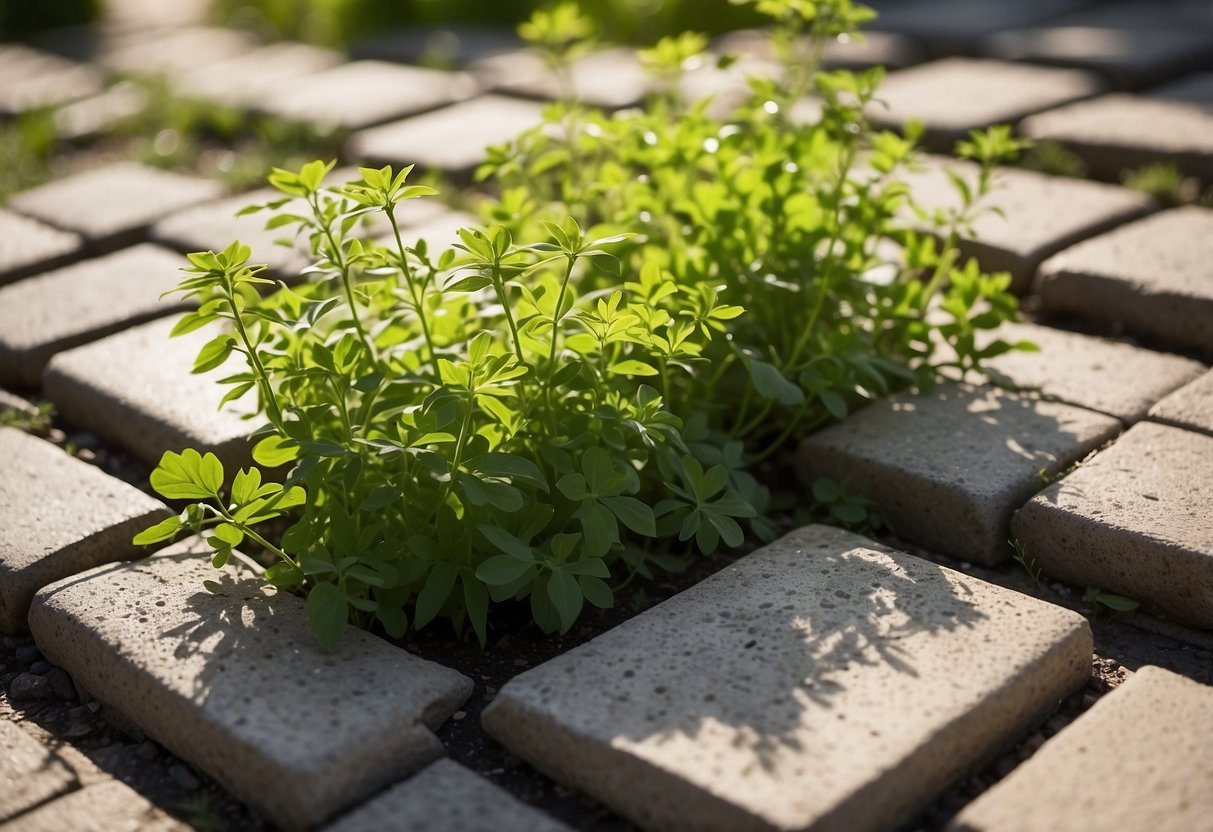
{"type": "Point", "coordinates": [417, 294]}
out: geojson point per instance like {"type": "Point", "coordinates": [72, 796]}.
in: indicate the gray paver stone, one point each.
{"type": "Point", "coordinates": [445, 797]}
{"type": "Point", "coordinates": [110, 806]}
{"type": "Point", "coordinates": [446, 45]}
{"type": "Point", "coordinates": [29, 770]}
{"type": "Point", "coordinates": [28, 246]}
{"type": "Point", "coordinates": [1139, 759]}
{"type": "Point", "coordinates": [207, 675]}
{"type": "Point", "coordinates": [59, 516]}
{"type": "Point", "coordinates": [949, 27]}
{"type": "Point", "coordinates": [1028, 216]}
{"type": "Point", "coordinates": [113, 206]}
{"type": "Point", "coordinates": [237, 81]}
{"type": "Point", "coordinates": [953, 96]}
{"type": "Point", "coordinates": [1119, 132]}
{"type": "Point", "coordinates": [136, 389]}
{"type": "Point", "coordinates": [949, 467]}
{"type": "Point", "coordinates": [170, 51]}
{"type": "Point", "coordinates": [1153, 277]}
{"type": "Point", "coordinates": [761, 697]}
{"type": "Point", "coordinates": [452, 140]}
{"type": "Point", "coordinates": [35, 79]}
{"type": "Point", "coordinates": [1133, 520]}
{"type": "Point", "coordinates": [58, 310]}
{"type": "Point", "coordinates": [1190, 407]}
{"type": "Point", "coordinates": [90, 116]}
{"type": "Point", "coordinates": [611, 79]}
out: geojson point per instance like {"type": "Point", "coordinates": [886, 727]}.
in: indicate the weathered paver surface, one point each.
{"type": "Point", "coordinates": [136, 390]}
{"type": "Point", "coordinates": [1133, 520]}
{"type": "Point", "coordinates": [58, 310]}
{"type": "Point", "coordinates": [35, 79]}
{"type": "Point", "coordinates": [59, 516]}
{"type": "Point", "coordinates": [28, 246]}
{"type": "Point", "coordinates": [445, 45]}
{"type": "Point", "coordinates": [446, 797]}
{"type": "Point", "coordinates": [611, 79]}
{"type": "Point", "coordinates": [208, 674]}
{"type": "Point", "coordinates": [102, 807]}
{"type": "Point", "coordinates": [1115, 133]}
{"type": "Point", "coordinates": [237, 81]}
{"type": "Point", "coordinates": [1028, 216]}
{"type": "Point", "coordinates": [1139, 759]}
{"type": "Point", "coordinates": [1153, 277]}
{"type": "Point", "coordinates": [114, 205]}
{"type": "Point", "coordinates": [947, 27]}
{"type": "Point", "coordinates": [29, 771]}
{"type": "Point", "coordinates": [169, 51]}
{"type": "Point", "coordinates": [90, 116]}
{"type": "Point", "coordinates": [948, 468]}
{"type": "Point", "coordinates": [812, 684]}
{"type": "Point", "coordinates": [1190, 407]}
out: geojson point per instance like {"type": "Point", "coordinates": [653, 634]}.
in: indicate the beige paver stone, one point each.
{"type": "Point", "coordinates": [111, 806]}
{"type": "Point", "coordinates": [58, 310]}
{"type": "Point", "coordinates": [59, 516]}
{"type": "Point", "coordinates": [1190, 407]}
{"type": "Point", "coordinates": [949, 467]}
{"type": "Point", "coordinates": [1139, 759]}
{"type": "Point", "coordinates": [170, 51]}
{"type": "Point", "coordinates": [34, 79]}
{"type": "Point", "coordinates": [91, 116]}
{"type": "Point", "coordinates": [444, 45]}
{"type": "Point", "coordinates": [1119, 132]}
{"type": "Point", "coordinates": [949, 27]}
{"type": "Point", "coordinates": [207, 674]}
{"type": "Point", "coordinates": [446, 797]}
{"type": "Point", "coordinates": [237, 81]}
{"type": "Point", "coordinates": [30, 772]}
{"type": "Point", "coordinates": [611, 79]}
{"type": "Point", "coordinates": [452, 140]}
{"type": "Point", "coordinates": [1152, 277]}
{"type": "Point", "coordinates": [114, 205]}
{"type": "Point", "coordinates": [814, 684]}
{"type": "Point", "coordinates": [1133, 520]}
{"type": "Point", "coordinates": [28, 246]}
{"type": "Point", "coordinates": [135, 388]}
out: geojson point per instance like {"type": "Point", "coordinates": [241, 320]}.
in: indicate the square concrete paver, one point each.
{"type": "Point", "coordinates": [445, 45]}
{"type": "Point", "coordinates": [30, 772]}
{"type": "Point", "coordinates": [814, 684]}
{"type": "Point", "coordinates": [113, 206]}
{"type": "Point", "coordinates": [1189, 407]}
{"type": "Point", "coordinates": [1133, 520]}
{"type": "Point", "coordinates": [173, 50]}
{"type": "Point", "coordinates": [58, 310]}
{"type": "Point", "coordinates": [34, 79]}
{"type": "Point", "coordinates": [1139, 759]}
{"type": "Point", "coordinates": [949, 467]}
{"type": "Point", "coordinates": [208, 673]}
{"type": "Point", "coordinates": [237, 81]}
{"type": "Point", "coordinates": [89, 117]}
{"type": "Point", "coordinates": [953, 96]}
{"type": "Point", "coordinates": [28, 246]}
{"type": "Point", "coordinates": [1152, 277]}
{"type": "Point", "coordinates": [612, 79]}
{"type": "Point", "coordinates": [59, 516]}
{"type": "Point", "coordinates": [950, 27]}
{"type": "Point", "coordinates": [109, 806]}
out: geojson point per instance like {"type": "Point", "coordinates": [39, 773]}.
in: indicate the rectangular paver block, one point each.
{"type": "Point", "coordinates": [822, 682]}
{"type": "Point", "coordinates": [79, 303]}
{"type": "Point", "coordinates": [59, 516]}
{"type": "Point", "coordinates": [30, 772]}
{"type": "Point", "coordinates": [233, 682]}
{"type": "Point", "coordinates": [34, 79]}
{"type": "Point", "coordinates": [237, 81]}
{"type": "Point", "coordinates": [1190, 407]}
{"type": "Point", "coordinates": [948, 27]}
{"type": "Point", "coordinates": [1153, 278]}
{"type": "Point", "coordinates": [28, 246]}
{"type": "Point", "coordinates": [1133, 520]}
{"type": "Point", "coordinates": [611, 79]}
{"type": "Point", "coordinates": [174, 50]}
{"type": "Point", "coordinates": [948, 468]}
{"type": "Point", "coordinates": [443, 45]}
{"type": "Point", "coordinates": [101, 807]}
{"type": "Point", "coordinates": [1141, 758]}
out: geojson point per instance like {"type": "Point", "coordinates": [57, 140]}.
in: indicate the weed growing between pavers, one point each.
{"type": "Point", "coordinates": [575, 397]}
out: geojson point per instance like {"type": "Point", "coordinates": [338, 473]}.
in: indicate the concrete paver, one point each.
{"type": "Point", "coordinates": [611, 79]}
{"type": "Point", "coordinates": [760, 698]}
{"type": "Point", "coordinates": [1190, 407]}
{"type": "Point", "coordinates": [444, 45]}
{"type": "Point", "coordinates": [30, 772]}
{"type": "Point", "coordinates": [34, 79]}
{"type": "Point", "coordinates": [170, 51]}
{"type": "Point", "coordinates": [92, 116]}
{"type": "Point", "coordinates": [28, 246]}
{"type": "Point", "coordinates": [1133, 520]}
{"type": "Point", "coordinates": [206, 674]}
{"type": "Point", "coordinates": [237, 81]}
{"type": "Point", "coordinates": [110, 806]}
{"type": "Point", "coordinates": [950, 27]}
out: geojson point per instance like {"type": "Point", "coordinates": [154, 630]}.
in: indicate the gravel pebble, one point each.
{"type": "Point", "coordinates": [147, 750]}
{"type": "Point", "coordinates": [30, 686]}
{"type": "Point", "coordinates": [184, 777]}
{"type": "Point", "coordinates": [41, 667]}
{"type": "Point", "coordinates": [61, 684]}
{"type": "Point", "coordinates": [28, 654]}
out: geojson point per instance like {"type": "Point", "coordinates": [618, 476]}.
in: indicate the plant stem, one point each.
{"type": "Point", "coordinates": [414, 289]}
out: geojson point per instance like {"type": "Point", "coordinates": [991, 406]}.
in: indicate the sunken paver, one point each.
{"type": "Point", "coordinates": [611, 79]}
{"type": "Point", "coordinates": [207, 673]}
{"type": "Point", "coordinates": [1190, 407]}
{"type": "Point", "coordinates": [1028, 216]}
{"type": "Point", "coordinates": [135, 388]}
{"type": "Point", "coordinates": [237, 81]}
{"type": "Point", "coordinates": [363, 93]}
{"type": "Point", "coordinates": [30, 771]}
{"type": "Point", "coordinates": [812, 684]}
{"type": "Point", "coordinates": [950, 27]}
{"type": "Point", "coordinates": [1112, 377]}
{"type": "Point", "coordinates": [101, 807]}
{"type": "Point", "coordinates": [171, 51]}
{"type": "Point", "coordinates": [1133, 520]}
{"type": "Point", "coordinates": [447, 45]}
{"type": "Point", "coordinates": [446, 797]}
{"type": "Point", "coordinates": [1141, 758]}
{"type": "Point", "coordinates": [59, 516]}
{"type": "Point", "coordinates": [949, 467]}
{"type": "Point", "coordinates": [1153, 277]}
{"type": "Point", "coordinates": [58, 310]}
{"type": "Point", "coordinates": [113, 206]}
{"type": "Point", "coordinates": [953, 96]}
{"type": "Point", "coordinates": [28, 246]}
{"type": "Point", "coordinates": [1119, 132]}
{"type": "Point", "coordinates": [452, 140]}
{"type": "Point", "coordinates": [34, 79]}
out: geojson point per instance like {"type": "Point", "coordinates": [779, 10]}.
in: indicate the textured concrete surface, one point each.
{"type": "Point", "coordinates": [34, 79]}
{"type": "Point", "coordinates": [111, 806]}
{"type": "Point", "coordinates": [444, 45]}
{"type": "Point", "coordinates": [136, 389]}
{"type": "Point", "coordinates": [1133, 520]}
{"type": "Point", "coordinates": [762, 698]}
{"type": "Point", "coordinates": [113, 206]}
{"type": "Point", "coordinates": [58, 310]}
{"type": "Point", "coordinates": [29, 771]}
{"type": "Point", "coordinates": [611, 79]}
{"type": "Point", "coordinates": [1190, 407]}
{"type": "Point", "coordinates": [947, 27]}
{"type": "Point", "coordinates": [207, 674]}
{"type": "Point", "coordinates": [237, 81]}
{"type": "Point", "coordinates": [28, 246]}
{"type": "Point", "coordinates": [174, 50]}
{"type": "Point", "coordinates": [89, 117]}
{"type": "Point", "coordinates": [1139, 759]}
{"type": "Point", "coordinates": [446, 797]}
{"type": "Point", "coordinates": [1153, 277]}
{"type": "Point", "coordinates": [949, 467]}
{"type": "Point", "coordinates": [59, 516]}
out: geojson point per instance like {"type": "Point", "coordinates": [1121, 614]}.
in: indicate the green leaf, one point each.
{"type": "Point", "coordinates": [632, 367]}
{"type": "Point", "coordinates": [214, 353]}
{"type": "Point", "coordinates": [565, 594]}
{"type": "Point", "coordinates": [633, 513]}
{"type": "Point", "coordinates": [834, 403]}
{"type": "Point", "coordinates": [326, 613]}
{"type": "Point", "coordinates": [476, 602]}
{"type": "Point", "coordinates": [596, 591]}
{"type": "Point", "coordinates": [507, 543]}
{"type": "Point", "coordinates": [501, 570]}
{"type": "Point", "coordinates": [512, 466]}
{"type": "Point", "coordinates": [379, 497]}
{"type": "Point", "coordinates": [771, 384]}
{"type": "Point", "coordinates": [434, 594]}
{"type": "Point", "coordinates": [188, 475]}
{"type": "Point", "coordinates": [826, 491]}
{"type": "Point", "coordinates": [275, 450]}
{"type": "Point", "coordinates": [164, 530]}
{"type": "Point", "coordinates": [393, 619]}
